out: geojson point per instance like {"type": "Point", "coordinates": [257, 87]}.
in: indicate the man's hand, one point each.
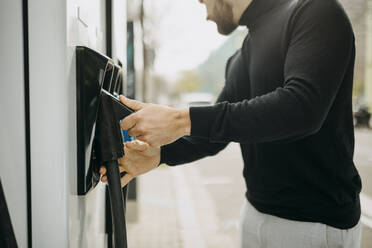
{"type": "Point", "coordinates": [154, 124]}
{"type": "Point", "coordinates": [139, 158]}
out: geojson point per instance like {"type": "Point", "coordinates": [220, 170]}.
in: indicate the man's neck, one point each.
{"type": "Point", "coordinates": [239, 6]}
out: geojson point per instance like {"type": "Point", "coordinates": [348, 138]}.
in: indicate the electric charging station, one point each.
{"type": "Point", "coordinates": [99, 137]}
{"type": "Point", "coordinates": [44, 185]}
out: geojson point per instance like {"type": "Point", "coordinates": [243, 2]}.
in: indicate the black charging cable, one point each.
{"type": "Point", "coordinates": [109, 146]}
{"type": "Point", "coordinates": [117, 204]}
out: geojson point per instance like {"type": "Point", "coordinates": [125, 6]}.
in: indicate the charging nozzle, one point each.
{"type": "Point", "coordinates": [108, 132]}
{"type": "Point", "coordinates": [109, 148]}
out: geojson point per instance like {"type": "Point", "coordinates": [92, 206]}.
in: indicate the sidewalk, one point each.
{"type": "Point", "coordinates": [192, 206]}
{"type": "Point", "coordinates": [157, 225]}
{"type": "Point", "coordinates": [363, 162]}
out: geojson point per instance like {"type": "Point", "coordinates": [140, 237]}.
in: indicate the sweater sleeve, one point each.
{"type": "Point", "coordinates": [189, 149]}
{"type": "Point", "coordinates": [321, 45]}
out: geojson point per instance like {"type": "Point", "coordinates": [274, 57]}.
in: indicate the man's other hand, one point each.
{"type": "Point", "coordinates": [154, 124]}
{"type": "Point", "coordinates": [138, 159]}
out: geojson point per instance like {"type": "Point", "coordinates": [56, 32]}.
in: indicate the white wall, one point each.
{"type": "Point", "coordinates": [12, 120]}
{"type": "Point", "coordinates": [50, 123]}
{"type": "Point", "coordinates": [87, 30]}
{"type": "Point", "coordinates": [55, 28]}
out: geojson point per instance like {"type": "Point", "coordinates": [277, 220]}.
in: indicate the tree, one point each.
{"type": "Point", "coordinates": [189, 81]}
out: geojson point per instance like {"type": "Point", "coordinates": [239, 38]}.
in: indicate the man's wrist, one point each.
{"type": "Point", "coordinates": [185, 122]}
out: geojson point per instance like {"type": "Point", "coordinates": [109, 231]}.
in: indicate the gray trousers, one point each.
{"type": "Point", "coordinates": [260, 230]}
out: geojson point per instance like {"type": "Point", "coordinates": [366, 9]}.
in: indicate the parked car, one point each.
{"type": "Point", "coordinates": [196, 99]}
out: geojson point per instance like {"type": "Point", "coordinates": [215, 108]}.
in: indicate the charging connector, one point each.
{"type": "Point", "coordinates": [109, 148]}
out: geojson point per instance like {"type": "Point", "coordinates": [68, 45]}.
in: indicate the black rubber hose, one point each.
{"type": "Point", "coordinates": [117, 204]}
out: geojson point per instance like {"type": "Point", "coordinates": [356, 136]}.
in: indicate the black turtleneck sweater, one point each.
{"type": "Point", "coordinates": [288, 102]}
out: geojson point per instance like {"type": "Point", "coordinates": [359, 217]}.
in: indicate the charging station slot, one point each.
{"type": "Point", "coordinates": [94, 71]}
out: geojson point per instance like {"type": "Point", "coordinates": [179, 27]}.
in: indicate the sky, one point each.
{"type": "Point", "coordinates": [185, 38]}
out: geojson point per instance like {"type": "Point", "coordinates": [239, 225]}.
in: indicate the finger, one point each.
{"type": "Point", "coordinates": [121, 160]}
{"type": "Point", "coordinates": [128, 122]}
{"type": "Point", "coordinates": [137, 145]}
{"type": "Point", "coordinates": [104, 179]}
{"type": "Point", "coordinates": [133, 132]}
{"type": "Point", "coordinates": [102, 170]}
{"type": "Point", "coordinates": [122, 169]}
{"type": "Point", "coordinates": [122, 164]}
{"type": "Point", "coordinates": [153, 144]}
{"type": "Point", "coordinates": [122, 174]}
{"type": "Point", "coordinates": [126, 150]}
{"type": "Point", "coordinates": [133, 104]}
{"type": "Point", "coordinates": [147, 140]}
{"type": "Point", "coordinates": [141, 138]}
{"type": "Point", "coordinates": [126, 179]}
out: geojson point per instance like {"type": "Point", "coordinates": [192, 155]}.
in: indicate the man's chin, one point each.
{"type": "Point", "coordinates": [225, 30]}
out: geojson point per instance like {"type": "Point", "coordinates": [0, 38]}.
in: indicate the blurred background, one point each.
{"type": "Point", "coordinates": [171, 55]}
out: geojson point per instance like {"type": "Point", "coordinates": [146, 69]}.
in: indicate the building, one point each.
{"type": "Point", "coordinates": [360, 13]}
{"type": "Point", "coordinates": [368, 79]}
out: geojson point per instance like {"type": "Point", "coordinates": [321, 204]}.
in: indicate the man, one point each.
{"type": "Point", "coordinates": [288, 102]}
